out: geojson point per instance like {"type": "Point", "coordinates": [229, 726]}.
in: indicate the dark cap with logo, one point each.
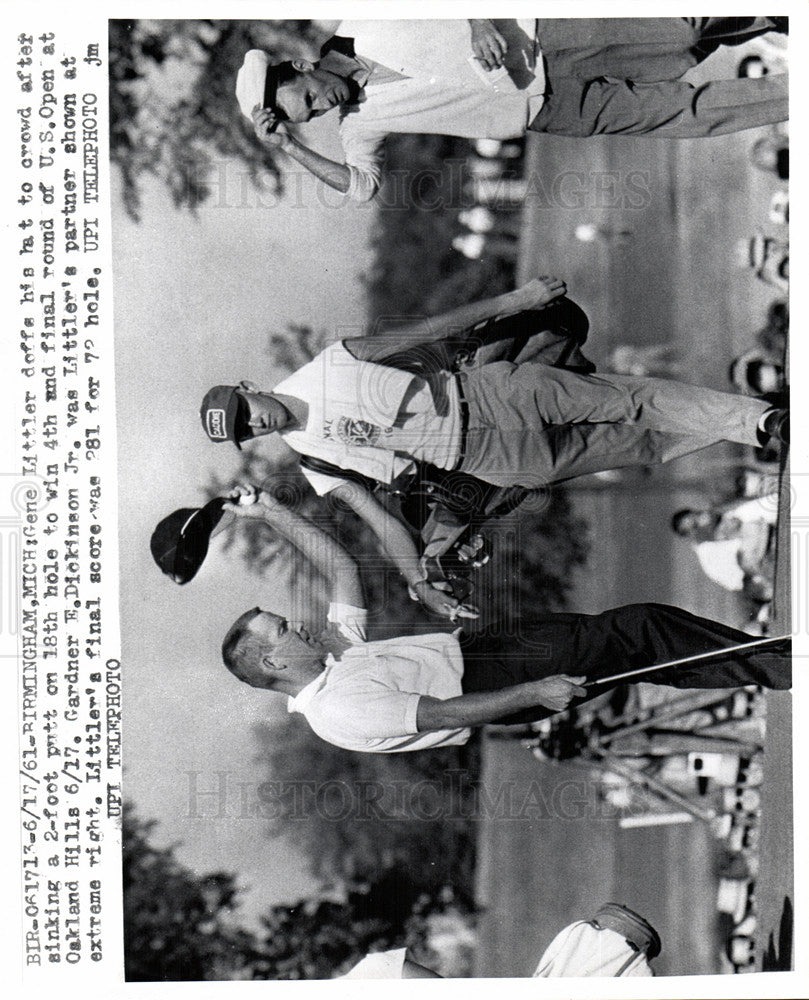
{"type": "Point", "coordinates": [220, 413]}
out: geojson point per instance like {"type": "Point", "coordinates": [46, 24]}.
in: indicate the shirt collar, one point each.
{"type": "Point", "coordinates": [301, 701]}
{"type": "Point", "coordinates": [338, 56]}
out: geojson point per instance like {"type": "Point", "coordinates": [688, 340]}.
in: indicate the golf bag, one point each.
{"type": "Point", "coordinates": [443, 509]}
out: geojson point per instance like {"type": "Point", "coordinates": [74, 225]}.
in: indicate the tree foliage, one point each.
{"type": "Point", "coordinates": [320, 938]}
{"type": "Point", "coordinates": [180, 926]}
{"type": "Point", "coordinates": [177, 924]}
{"type": "Point", "coordinates": [173, 110]}
{"type": "Point", "coordinates": [416, 270]}
{"type": "Point", "coordinates": [357, 817]}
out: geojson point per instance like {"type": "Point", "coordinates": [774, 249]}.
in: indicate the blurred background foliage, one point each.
{"type": "Point", "coordinates": [172, 104]}
{"type": "Point", "coordinates": [416, 271]}
{"type": "Point", "coordinates": [183, 926]}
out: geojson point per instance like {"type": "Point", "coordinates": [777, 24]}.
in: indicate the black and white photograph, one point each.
{"type": "Point", "coordinates": [477, 662]}
{"type": "Point", "coordinates": [454, 508]}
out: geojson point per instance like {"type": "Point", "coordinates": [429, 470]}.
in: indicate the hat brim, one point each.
{"type": "Point", "coordinates": [190, 530]}
{"type": "Point", "coordinates": [251, 81]}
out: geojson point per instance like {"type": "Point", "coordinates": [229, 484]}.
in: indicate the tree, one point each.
{"type": "Point", "coordinates": [423, 189]}
{"type": "Point", "coordinates": [357, 816]}
{"type": "Point", "coordinates": [177, 925]}
{"type": "Point", "coordinates": [173, 110]}
{"type": "Point", "coordinates": [320, 938]}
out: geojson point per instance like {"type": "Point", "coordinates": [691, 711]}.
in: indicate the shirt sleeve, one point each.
{"type": "Point", "coordinates": [364, 155]}
{"type": "Point", "coordinates": [377, 722]}
{"type": "Point", "coordinates": [376, 712]}
{"type": "Point", "coordinates": [351, 622]}
{"type": "Point", "coordinates": [379, 965]}
{"type": "Point", "coordinates": [322, 483]}
{"type": "Point", "coordinates": [371, 718]}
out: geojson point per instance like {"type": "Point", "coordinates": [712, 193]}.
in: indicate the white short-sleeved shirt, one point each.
{"type": "Point", "coordinates": [420, 432]}
{"type": "Point", "coordinates": [368, 699]}
{"type": "Point", "coordinates": [371, 418]}
{"type": "Point", "coordinates": [442, 91]}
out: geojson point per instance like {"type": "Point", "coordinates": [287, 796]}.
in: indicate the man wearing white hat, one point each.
{"type": "Point", "coordinates": [496, 79]}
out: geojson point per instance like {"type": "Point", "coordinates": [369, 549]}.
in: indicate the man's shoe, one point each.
{"type": "Point", "coordinates": [630, 925]}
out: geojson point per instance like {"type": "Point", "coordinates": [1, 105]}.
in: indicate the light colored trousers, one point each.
{"type": "Point", "coordinates": [531, 424]}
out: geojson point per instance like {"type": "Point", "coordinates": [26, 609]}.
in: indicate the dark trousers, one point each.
{"type": "Point", "coordinates": [625, 638]}
{"type": "Point", "coordinates": [621, 76]}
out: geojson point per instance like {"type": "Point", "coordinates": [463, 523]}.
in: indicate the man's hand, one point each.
{"type": "Point", "coordinates": [440, 602]}
{"type": "Point", "coordinates": [488, 44]}
{"type": "Point", "coordinates": [539, 292]}
{"type": "Point", "coordinates": [271, 133]}
{"type": "Point", "coordinates": [557, 692]}
{"type": "Point", "coordinates": [480, 707]}
{"type": "Point", "coordinates": [249, 501]}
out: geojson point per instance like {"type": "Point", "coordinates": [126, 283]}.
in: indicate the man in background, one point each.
{"type": "Point", "coordinates": [497, 79]}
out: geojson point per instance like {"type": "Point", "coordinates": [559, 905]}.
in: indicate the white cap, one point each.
{"type": "Point", "coordinates": [250, 81]}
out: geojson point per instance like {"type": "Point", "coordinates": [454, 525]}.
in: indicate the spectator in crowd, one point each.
{"type": "Point", "coordinates": [733, 543]}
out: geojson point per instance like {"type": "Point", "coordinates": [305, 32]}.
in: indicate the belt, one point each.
{"type": "Point", "coordinates": [464, 412]}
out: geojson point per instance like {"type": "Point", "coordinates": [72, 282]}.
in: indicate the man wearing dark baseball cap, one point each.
{"type": "Point", "coordinates": [496, 79]}
{"type": "Point", "coordinates": [502, 424]}
{"type": "Point", "coordinates": [227, 414]}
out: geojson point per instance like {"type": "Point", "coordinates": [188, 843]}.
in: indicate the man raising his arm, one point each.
{"type": "Point", "coordinates": [420, 691]}
{"type": "Point", "coordinates": [497, 79]}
